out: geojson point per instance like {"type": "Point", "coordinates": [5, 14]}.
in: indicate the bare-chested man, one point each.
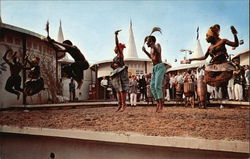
{"type": "Point", "coordinates": [159, 70]}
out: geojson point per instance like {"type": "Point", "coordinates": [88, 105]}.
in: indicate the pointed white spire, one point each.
{"type": "Point", "coordinates": [60, 37]}
{"type": "Point", "coordinates": [131, 48]}
{"type": "Point", "coordinates": [197, 52]}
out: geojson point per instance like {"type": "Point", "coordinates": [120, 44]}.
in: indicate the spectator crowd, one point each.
{"type": "Point", "coordinates": [139, 86]}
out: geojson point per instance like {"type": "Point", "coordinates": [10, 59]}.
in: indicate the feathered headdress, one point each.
{"type": "Point", "coordinates": [155, 29]}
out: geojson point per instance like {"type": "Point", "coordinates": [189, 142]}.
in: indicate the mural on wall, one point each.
{"type": "Point", "coordinates": [13, 83]}
{"type": "Point", "coordinates": [6, 97]}
{"type": "Point", "coordinates": [3, 66]}
{"type": "Point", "coordinates": [40, 64]}
{"type": "Point", "coordinates": [33, 85]}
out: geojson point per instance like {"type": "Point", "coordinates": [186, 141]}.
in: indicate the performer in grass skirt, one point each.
{"type": "Point", "coordinates": [220, 70]}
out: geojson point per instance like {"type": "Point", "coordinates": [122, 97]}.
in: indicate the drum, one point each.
{"type": "Point", "coordinates": [202, 92]}
{"type": "Point", "coordinates": [188, 89]}
{"type": "Point", "coordinates": [179, 88]}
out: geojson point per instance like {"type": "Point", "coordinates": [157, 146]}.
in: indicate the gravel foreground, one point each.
{"type": "Point", "coordinates": [211, 123]}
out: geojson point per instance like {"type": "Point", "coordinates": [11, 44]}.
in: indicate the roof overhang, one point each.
{"type": "Point", "coordinates": [186, 66]}
{"type": "Point", "coordinates": [240, 53]}
{"type": "Point", "coordinates": [125, 60]}
{"type": "Point", "coordinates": [60, 55]}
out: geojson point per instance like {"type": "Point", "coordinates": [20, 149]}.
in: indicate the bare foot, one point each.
{"type": "Point", "coordinates": [157, 108]}
{"type": "Point", "coordinates": [119, 106]}
{"type": "Point", "coordinates": [160, 109]}
{"type": "Point", "coordinates": [123, 107]}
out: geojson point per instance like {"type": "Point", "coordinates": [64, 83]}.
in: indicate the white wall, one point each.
{"type": "Point", "coordinates": [84, 91]}
{"type": "Point", "coordinates": [244, 59]}
{"type": "Point", "coordinates": [37, 147]}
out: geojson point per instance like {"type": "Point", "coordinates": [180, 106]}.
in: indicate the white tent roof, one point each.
{"type": "Point", "coordinates": [60, 38]}
{"type": "Point", "coordinates": [186, 66]}
{"type": "Point", "coordinates": [197, 52]}
{"type": "Point", "coordinates": [131, 48]}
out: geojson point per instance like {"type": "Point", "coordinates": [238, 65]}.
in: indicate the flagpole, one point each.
{"type": "Point", "coordinates": [197, 37]}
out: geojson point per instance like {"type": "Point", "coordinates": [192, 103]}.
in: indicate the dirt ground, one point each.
{"type": "Point", "coordinates": [211, 123]}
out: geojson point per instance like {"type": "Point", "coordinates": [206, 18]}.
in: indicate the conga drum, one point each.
{"type": "Point", "coordinates": [188, 89]}
{"type": "Point", "coordinates": [179, 91]}
{"type": "Point", "coordinates": [179, 88]}
{"type": "Point", "coordinates": [202, 92]}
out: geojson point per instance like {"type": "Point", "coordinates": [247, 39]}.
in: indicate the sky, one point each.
{"type": "Point", "coordinates": [90, 25]}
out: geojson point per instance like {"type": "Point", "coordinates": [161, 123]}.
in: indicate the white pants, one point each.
{"type": "Point", "coordinates": [167, 95]}
{"type": "Point", "coordinates": [218, 94]}
{"type": "Point", "coordinates": [230, 91]}
{"type": "Point", "coordinates": [238, 91]}
{"type": "Point", "coordinates": [133, 99]}
{"type": "Point", "coordinates": [247, 81]}
{"type": "Point", "coordinates": [211, 90]}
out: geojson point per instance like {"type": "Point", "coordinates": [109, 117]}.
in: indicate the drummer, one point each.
{"type": "Point", "coordinates": [187, 74]}
{"type": "Point", "coordinates": [188, 78]}
{"type": "Point", "coordinates": [219, 70]}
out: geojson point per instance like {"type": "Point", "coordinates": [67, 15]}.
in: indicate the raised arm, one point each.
{"type": "Point", "coordinates": [146, 52]}
{"type": "Point", "coordinates": [236, 41]}
{"type": "Point", "coordinates": [64, 45]}
{"type": "Point", "coordinates": [117, 41]}
{"type": "Point", "coordinates": [25, 61]}
{"type": "Point", "coordinates": [5, 56]}
{"type": "Point", "coordinates": [199, 58]}
{"type": "Point", "coordinates": [61, 44]}
{"type": "Point", "coordinates": [14, 55]}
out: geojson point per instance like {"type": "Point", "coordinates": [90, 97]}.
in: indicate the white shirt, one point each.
{"type": "Point", "coordinates": [198, 74]}
{"type": "Point", "coordinates": [104, 83]}
{"type": "Point", "coordinates": [171, 81]}
{"type": "Point", "coordinates": [231, 83]}
{"type": "Point", "coordinates": [179, 79]}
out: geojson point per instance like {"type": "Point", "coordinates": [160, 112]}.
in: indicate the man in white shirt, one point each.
{"type": "Point", "coordinates": [104, 84]}
{"type": "Point", "coordinates": [172, 82]}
